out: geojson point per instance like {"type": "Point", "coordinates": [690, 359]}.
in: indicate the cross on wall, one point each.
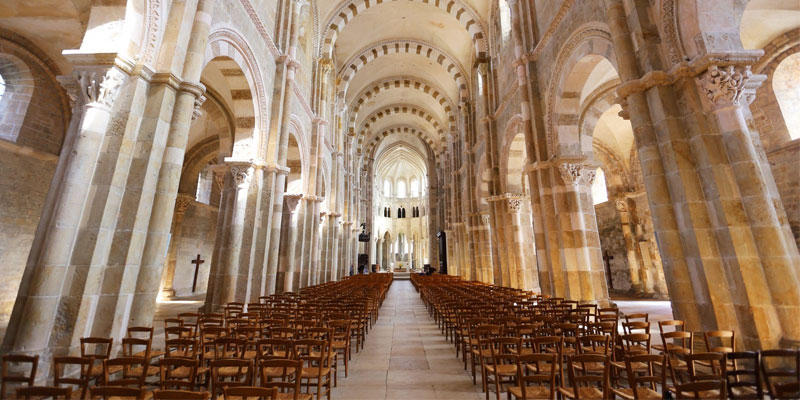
{"type": "Point", "coordinates": [197, 261]}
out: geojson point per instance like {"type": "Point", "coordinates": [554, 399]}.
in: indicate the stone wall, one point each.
{"type": "Point", "coordinates": [23, 187]}
{"type": "Point", "coordinates": [612, 242]}
{"type": "Point", "coordinates": [784, 163]}
{"type": "Point", "coordinates": [197, 237]}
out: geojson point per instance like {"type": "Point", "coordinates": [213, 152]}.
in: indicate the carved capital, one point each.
{"type": "Point", "coordinates": [725, 86]}
{"type": "Point", "coordinates": [292, 200]}
{"type": "Point", "coordinates": [515, 203]}
{"type": "Point", "coordinates": [198, 106]}
{"type": "Point", "coordinates": [621, 205]}
{"type": "Point", "coordinates": [485, 219]}
{"type": "Point", "coordinates": [182, 202]}
{"type": "Point", "coordinates": [242, 174]}
{"type": "Point", "coordinates": [98, 88]}
{"type": "Point", "coordinates": [577, 174]}
{"type": "Point", "coordinates": [71, 86]}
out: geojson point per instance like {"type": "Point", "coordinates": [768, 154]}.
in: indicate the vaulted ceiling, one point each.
{"type": "Point", "coordinates": [399, 56]}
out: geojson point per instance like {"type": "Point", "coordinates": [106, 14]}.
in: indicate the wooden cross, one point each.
{"type": "Point", "coordinates": [607, 260]}
{"type": "Point", "coordinates": [196, 263]}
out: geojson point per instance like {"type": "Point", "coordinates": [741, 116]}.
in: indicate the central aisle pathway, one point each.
{"type": "Point", "coordinates": [406, 357]}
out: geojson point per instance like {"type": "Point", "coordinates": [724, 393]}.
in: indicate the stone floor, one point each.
{"type": "Point", "coordinates": [406, 356]}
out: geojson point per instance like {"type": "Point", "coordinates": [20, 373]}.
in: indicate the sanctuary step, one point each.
{"type": "Point", "coordinates": [402, 276]}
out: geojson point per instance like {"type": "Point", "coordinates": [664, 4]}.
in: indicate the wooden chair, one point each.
{"type": "Point", "coordinates": [137, 347]}
{"type": "Point", "coordinates": [40, 392]}
{"type": "Point", "coordinates": [97, 349]}
{"type": "Point", "coordinates": [664, 327]}
{"type": "Point", "coordinates": [643, 380]}
{"type": "Point", "coordinates": [178, 373]}
{"type": "Point", "coordinates": [701, 390]}
{"type": "Point", "coordinates": [678, 344]}
{"type": "Point", "coordinates": [316, 368]}
{"type": "Point", "coordinates": [781, 370]}
{"type": "Point", "coordinates": [743, 378]}
{"type": "Point", "coordinates": [284, 375]}
{"type": "Point", "coordinates": [116, 393]}
{"type": "Point", "coordinates": [342, 340]}
{"type": "Point", "coordinates": [539, 382]}
{"type": "Point", "coordinates": [481, 354]}
{"type": "Point", "coordinates": [144, 332]}
{"type": "Point", "coordinates": [159, 394]}
{"type": "Point", "coordinates": [503, 368]}
{"type": "Point", "coordinates": [583, 383]}
{"type": "Point", "coordinates": [230, 372]}
{"type": "Point", "coordinates": [250, 392]}
{"type": "Point", "coordinates": [79, 376]}
{"type": "Point", "coordinates": [10, 364]}
{"type": "Point", "coordinates": [133, 371]}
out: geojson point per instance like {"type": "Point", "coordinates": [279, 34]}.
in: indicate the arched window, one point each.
{"type": "Point", "coordinates": [401, 189]}
{"type": "Point", "coordinates": [415, 187]}
{"type": "Point", "coordinates": [205, 181]}
{"type": "Point", "coordinates": [786, 85]}
{"type": "Point", "coordinates": [387, 188]}
{"type": "Point", "coordinates": [599, 189]}
{"type": "Point", "coordinates": [505, 19]}
{"type": "Point", "coordinates": [2, 87]}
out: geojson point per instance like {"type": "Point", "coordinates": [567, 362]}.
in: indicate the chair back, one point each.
{"type": "Point", "coordinates": [282, 374]}
{"type": "Point", "coordinates": [72, 371]}
{"type": "Point", "coordinates": [249, 392]}
{"type": "Point", "coordinates": [780, 369]}
{"type": "Point", "coordinates": [116, 392]}
{"type": "Point", "coordinates": [160, 394]}
{"type": "Point", "coordinates": [541, 371]}
{"type": "Point", "coordinates": [39, 392]}
{"type": "Point", "coordinates": [743, 375]}
{"type": "Point", "coordinates": [701, 390]}
{"type": "Point", "coordinates": [581, 377]}
{"type": "Point", "coordinates": [17, 369]}
{"type": "Point", "coordinates": [239, 371]}
{"type": "Point", "coordinates": [646, 370]}
{"type": "Point", "coordinates": [171, 379]}
{"type": "Point", "coordinates": [133, 371]}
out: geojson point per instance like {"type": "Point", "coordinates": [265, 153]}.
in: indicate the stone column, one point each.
{"type": "Point", "coordinates": [58, 287]}
{"type": "Point", "coordinates": [181, 204]}
{"type": "Point", "coordinates": [525, 256]}
{"type": "Point", "coordinates": [632, 254]}
{"type": "Point", "coordinates": [486, 248]}
{"type": "Point", "coordinates": [188, 99]}
{"type": "Point", "coordinates": [580, 242]}
{"type": "Point", "coordinates": [288, 270]}
{"type": "Point", "coordinates": [231, 276]}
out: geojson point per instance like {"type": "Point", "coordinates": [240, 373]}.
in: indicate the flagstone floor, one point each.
{"type": "Point", "coordinates": [406, 356]}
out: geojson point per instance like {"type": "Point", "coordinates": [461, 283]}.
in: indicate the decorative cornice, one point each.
{"type": "Point", "coordinates": [688, 69]}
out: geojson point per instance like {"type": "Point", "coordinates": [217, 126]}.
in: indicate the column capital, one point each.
{"type": "Point", "coordinates": [182, 202]}
{"type": "Point", "coordinates": [729, 85]}
{"type": "Point", "coordinates": [100, 87]}
{"type": "Point", "coordinates": [621, 205]}
{"type": "Point", "coordinates": [485, 219]}
{"type": "Point", "coordinates": [292, 200]}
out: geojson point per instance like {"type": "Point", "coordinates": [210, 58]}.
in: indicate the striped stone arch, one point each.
{"type": "Point", "coordinates": [578, 56]}
{"type": "Point", "coordinates": [373, 52]}
{"type": "Point", "coordinates": [396, 109]}
{"type": "Point", "coordinates": [247, 87]}
{"type": "Point", "coordinates": [425, 136]}
{"type": "Point", "coordinates": [596, 103]}
{"type": "Point", "coordinates": [456, 8]}
{"type": "Point", "coordinates": [399, 83]}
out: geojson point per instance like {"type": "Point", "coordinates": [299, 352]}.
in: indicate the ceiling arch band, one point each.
{"type": "Point", "coordinates": [349, 10]}
{"type": "Point", "coordinates": [394, 110]}
{"type": "Point", "coordinates": [374, 140]}
{"type": "Point", "coordinates": [399, 83]}
{"type": "Point", "coordinates": [373, 52]}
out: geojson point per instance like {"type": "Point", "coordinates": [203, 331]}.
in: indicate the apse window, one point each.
{"type": "Point", "coordinates": [2, 87]}
{"type": "Point", "coordinates": [599, 190]}
{"type": "Point", "coordinates": [786, 85]}
{"type": "Point", "coordinates": [505, 19]}
{"type": "Point", "coordinates": [387, 188]}
{"type": "Point", "coordinates": [401, 189]}
{"type": "Point", "coordinates": [414, 188]}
